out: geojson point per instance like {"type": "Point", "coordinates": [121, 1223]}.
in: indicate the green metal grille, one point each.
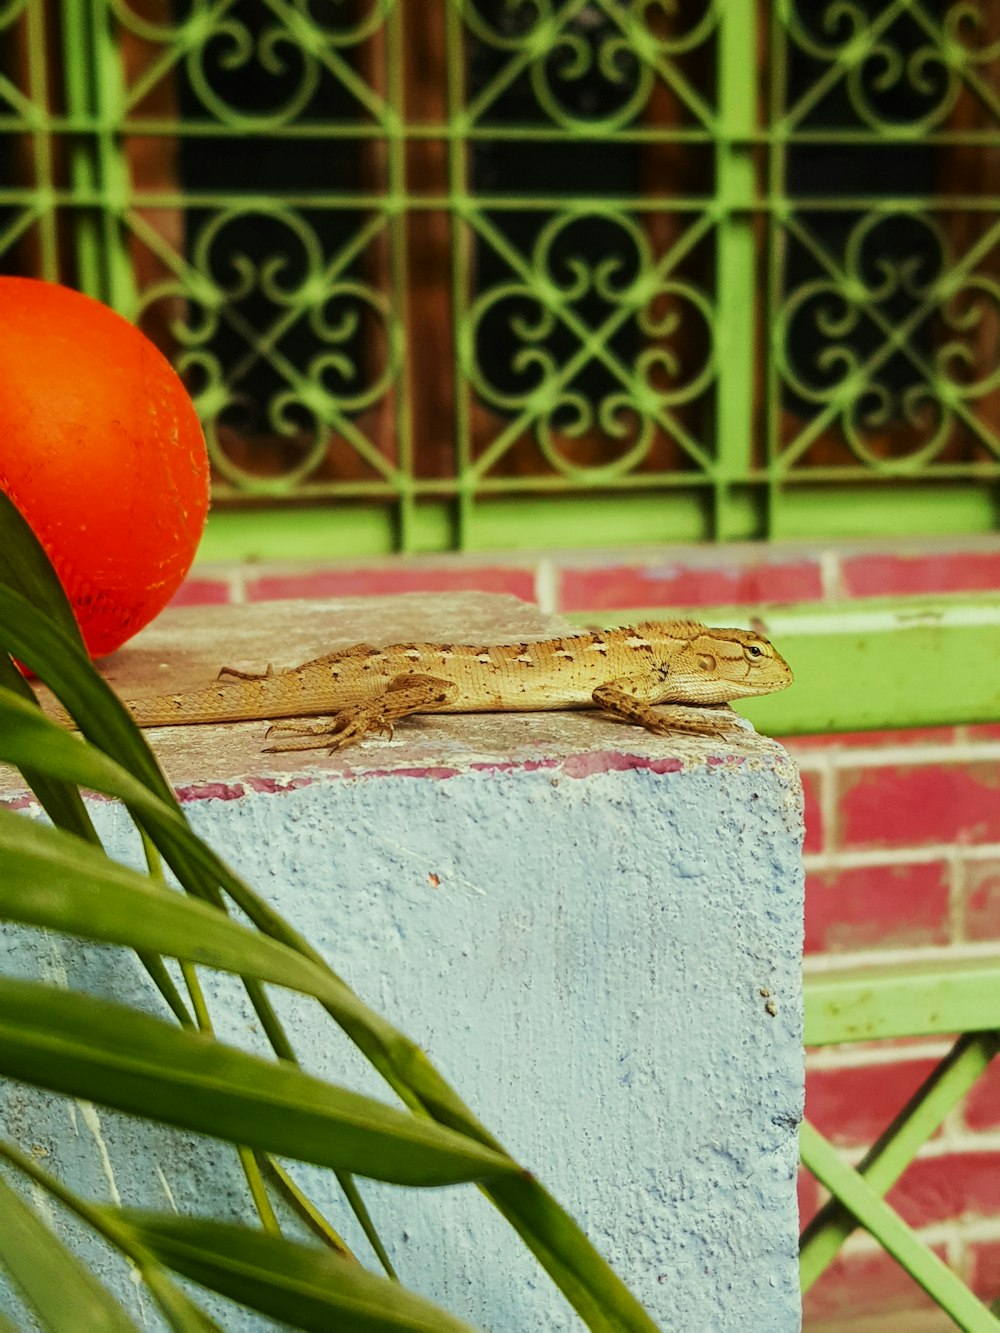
{"type": "Point", "coordinates": [503, 273]}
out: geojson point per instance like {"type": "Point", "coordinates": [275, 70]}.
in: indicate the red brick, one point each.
{"type": "Point", "coordinates": [807, 1189]}
{"type": "Point", "coordinates": [983, 1276]}
{"type": "Point", "coordinates": [937, 1189]}
{"type": "Point", "coordinates": [859, 1284]}
{"type": "Point", "coordinates": [877, 907]}
{"type": "Point", "coordinates": [852, 1106]}
{"type": "Point", "coordinates": [202, 592]}
{"type": "Point", "coordinates": [874, 740]}
{"type": "Point", "coordinates": [948, 571]}
{"type": "Point", "coordinates": [983, 731]}
{"type": "Point", "coordinates": [758, 584]}
{"type": "Point", "coordinates": [910, 806]}
{"type": "Point", "coordinates": [981, 1109]}
{"type": "Point", "coordinates": [813, 813]}
{"type": "Point", "coordinates": [982, 900]}
{"type": "Point", "coordinates": [380, 582]}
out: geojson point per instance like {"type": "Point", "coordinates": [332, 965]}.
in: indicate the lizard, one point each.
{"type": "Point", "coordinates": [363, 690]}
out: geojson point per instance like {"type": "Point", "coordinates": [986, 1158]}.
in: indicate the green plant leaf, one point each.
{"type": "Point", "coordinates": [58, 660]}
{"type": "Point", "coordinates": [52, 879]}
{"type": "Point", "coordinates": [26, 568]}
{"type": "Point", "coordinates": [179, 1309]}
{"type": "Point", "coordinates": [57, 1286]}
{"type": "Point", "coordinates": [548, 1231]}
{"type": "Point", "coordinates": [61, 802]}
{"type": "Point", "coordinates": [23, 731]}
{"type": "Point", "coordinates": [305, 1287]}
{"type": "Point", "coordinates": [73, 1043]}
{"type": "Point", "coordinates": [584, 1277]}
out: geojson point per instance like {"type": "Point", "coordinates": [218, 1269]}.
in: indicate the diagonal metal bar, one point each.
{"type": "Point", "coordinates": [893, 1234]}
{"type": "Point", "coordinates": [876, 25]}
{"type": "Point", "coordinates": [896, 1147]}
{"type": "Point", "coordinates": [634, 31]}
{"type": "Point", "coordinates": [933, 29]}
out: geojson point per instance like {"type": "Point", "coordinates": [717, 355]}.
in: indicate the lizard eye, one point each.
{"type": "Point", "coordinates": [755, 650]}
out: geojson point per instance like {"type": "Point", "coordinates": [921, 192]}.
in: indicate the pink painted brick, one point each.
{"type": "Point", "coordinates": [877, 907]}
{"type": "Point", "coordinates": [937, 1189]}
{"type": "Point", "coordinates": [984, 1268]}
{"type": "Point", "coordinates": [811, 788]}
{"type": "Point", "coordinates": [981, 1109]}
{"type": "Point", "coordinates": [982, 899]}
{"type": "Point", "coordinates": [853, 1105]}
{"type": "Point", "coordinates": [873, 740]}
{"type": "Point", "coordinates": [895, 575]}
{"type": "Point", "coordinates": [910, 806]}
{"type": "Point", "coordinates": [868, 1283]}
{"type": "Point", "coordinates": [375, 582]}
{"type": "Point", "coordinates": [807, 1191]}
{"type": "Point", "coordinates": [619, 586]}
{"type": "Point", "coordinates": [202, 592]}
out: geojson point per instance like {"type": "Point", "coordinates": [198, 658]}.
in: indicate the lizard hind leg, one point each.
{"type": "Point", "coordinates": [403, 696]}
{"type": "Point", "coordinates": [246, 675]}
{"type": "Point", "coordinates": [356, 650]}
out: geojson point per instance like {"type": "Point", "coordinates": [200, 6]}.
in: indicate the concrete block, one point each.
{"type": "Point", "coordinates": [594, 932]}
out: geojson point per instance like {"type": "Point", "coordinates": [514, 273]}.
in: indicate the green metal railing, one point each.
{"type": "Point", "coordinates": [881, 1003]}
{"type": "Point", "coordinates": [488, 274]}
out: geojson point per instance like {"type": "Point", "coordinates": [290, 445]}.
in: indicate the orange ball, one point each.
{"type": "Point", "coordinates": [102, 452]}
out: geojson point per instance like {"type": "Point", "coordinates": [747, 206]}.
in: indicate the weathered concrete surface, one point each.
{"type": "Point", "coordinates": [594, 932]}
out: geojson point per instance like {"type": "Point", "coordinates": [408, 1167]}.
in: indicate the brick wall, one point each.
{"type": "Point", "coordinates": [902, 854]}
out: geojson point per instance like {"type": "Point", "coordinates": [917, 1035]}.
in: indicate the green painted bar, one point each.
{"type": "Point", "coordinates": [637, 513]}
{"type": "Point", "coordinates": [896, 1148]}
{"type": "Point", "coordinates": [868, 664]}
{"type": "Point", "coordinates": [901, 507]}
{"type": "Point", "coordinates": [734, 248]}
{"type": "Point", "coordinates": [869, 1003]}
{"type": "Point", "coordinates": [255, 535]}
{"type": "Point", "coordinates": [892, 1233]}
{"type": "Point", "coordinates": [355, 529]}
{"type": "Point", "coordinates": [78, 75]}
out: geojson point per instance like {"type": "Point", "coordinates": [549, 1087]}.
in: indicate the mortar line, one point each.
{"type": "Point", "coordinates": [870, 858]}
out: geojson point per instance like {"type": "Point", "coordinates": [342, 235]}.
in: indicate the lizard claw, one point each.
{"type": "Point", "coordinates": [346, 728]}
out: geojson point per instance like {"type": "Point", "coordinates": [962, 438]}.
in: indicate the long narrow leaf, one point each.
{"type": "Point", "coordinates": [551, 1234]}
{"type": "Point", "coordinates": [180, 1311]}
{"type": "Point", "coordinates": [51, 879]}
{"type": "Point", "coordinates": [73, 1043]}
{"type": "Point", "coordinates": [25, 567]}
{"type": "Point", "coordinates": [57, 1286]}
{"type": "Point", "coordinates": [62, 803]}
{"type": "Point", "coordinates": [23, 730]}
{"type": "Point", "coordinates": [305, 1287]}
{"type": "Point", "coordinates": [100, 714]}
{"type": "Point", "coordinates": [57, 659]}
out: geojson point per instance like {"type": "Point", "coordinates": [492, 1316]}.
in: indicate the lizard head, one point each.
{"type": "Point", "coordinates": [716, 665]}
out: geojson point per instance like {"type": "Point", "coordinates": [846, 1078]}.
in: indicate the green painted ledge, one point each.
{"type": "Point", "coordinates": [870, 664]}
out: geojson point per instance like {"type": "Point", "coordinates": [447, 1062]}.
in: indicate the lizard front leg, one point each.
{"type": "Point", "coordinates": [634, 697]}
{"type": "Point", "coordinates": [402, 696]}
